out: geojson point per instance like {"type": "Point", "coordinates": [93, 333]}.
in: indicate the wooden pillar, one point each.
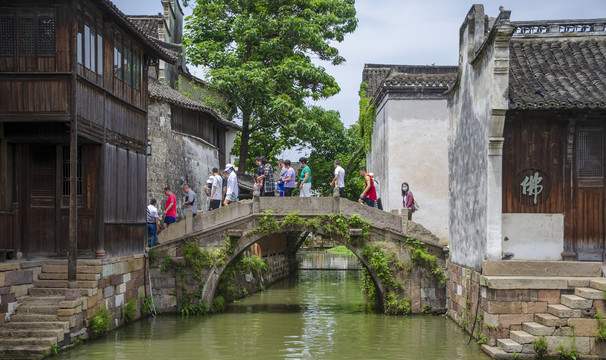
{"type": "Point", "coordinates": [73, 156]}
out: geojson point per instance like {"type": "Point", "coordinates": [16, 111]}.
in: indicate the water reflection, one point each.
{"type": "Point", "coordinates": [323, 260]}
{"type": "Point", "coordinates": [315, 315]}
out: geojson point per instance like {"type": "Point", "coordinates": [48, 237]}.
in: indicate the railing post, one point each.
{"type": "Point", "coordinates": [189, 221]}
{"type": "Point", "coordinates": [336, 201]}
{"type": "Point", "coordinates": [256, 202]}
{"type": "Point", "coordinates": [404, 217]}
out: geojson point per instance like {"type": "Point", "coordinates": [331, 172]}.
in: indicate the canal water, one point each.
{"type": "Point", "coordinates": [316, 314]}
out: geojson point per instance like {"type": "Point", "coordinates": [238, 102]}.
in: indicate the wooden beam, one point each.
{"type": "Point", "coordinates": [73, 157]}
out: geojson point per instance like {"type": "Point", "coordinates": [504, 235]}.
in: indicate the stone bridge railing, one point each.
{"type": "Point", "coordinates": [226, 217]}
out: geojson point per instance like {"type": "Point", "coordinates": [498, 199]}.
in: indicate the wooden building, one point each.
{"type": "Point", "coordinates": [63, 60]}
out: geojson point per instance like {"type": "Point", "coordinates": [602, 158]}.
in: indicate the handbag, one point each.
{"type": "Point", "coordinates": [416, 205]}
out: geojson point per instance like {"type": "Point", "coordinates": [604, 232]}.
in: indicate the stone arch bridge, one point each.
{"type": "Point", "coordinates": [408, 276]}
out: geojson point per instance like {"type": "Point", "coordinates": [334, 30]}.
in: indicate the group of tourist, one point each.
{"type": "Point", "coordinates": [266, 185]}
{"type": "Point", "coordinates": [222, 189]}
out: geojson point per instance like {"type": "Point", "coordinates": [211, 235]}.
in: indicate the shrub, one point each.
{"type": "Point", "coordinates": [129, 310]}
{"type": "Point", "coordinates": [100, 323]}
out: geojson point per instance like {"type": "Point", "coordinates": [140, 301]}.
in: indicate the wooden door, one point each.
{"type": "Point", "coordinates": [588, 193]}
{"type": "Point", "coordinates": [40, 221]}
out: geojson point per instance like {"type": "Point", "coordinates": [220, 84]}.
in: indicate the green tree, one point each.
{"type": "Point", "coordinates": [329, 141]}
{"type": "Point", "coordinates": [260, 53]}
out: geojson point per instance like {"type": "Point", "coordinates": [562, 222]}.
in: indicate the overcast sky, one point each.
{"type": "Point", "coordinates": [411, 32]}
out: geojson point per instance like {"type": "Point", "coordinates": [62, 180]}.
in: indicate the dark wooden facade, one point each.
{"type": "Point", "coordinates": [43, 44]}
{"type": "Point", "coordinates": [566, 149]}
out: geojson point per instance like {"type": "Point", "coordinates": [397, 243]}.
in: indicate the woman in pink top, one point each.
{"type": "Point", "coordinates": [408, 200]}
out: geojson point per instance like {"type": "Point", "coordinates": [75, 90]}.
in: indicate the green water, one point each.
{"type": "Point", "coordinates": [317, 314]}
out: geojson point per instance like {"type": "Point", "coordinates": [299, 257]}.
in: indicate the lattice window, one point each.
{"type": "Point", "coordinates": [46, 36]}
{"type": "Point", "coordinates": [66, 172]}
{"type": "Point", "coordinates": [26, 39]}
{"type": "Point", "coordinates": [590, 152]}
{"type": "Point", "coordinates": [7, 36]}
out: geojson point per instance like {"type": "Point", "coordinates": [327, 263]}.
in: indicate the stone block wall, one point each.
{"type": "Point", "coordinates": [176, 159]}
{"type": "Point", "coordinates": [16, 278]}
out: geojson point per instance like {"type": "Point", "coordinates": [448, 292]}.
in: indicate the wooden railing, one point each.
{"type": "Point", "coordinates": [9, 233]}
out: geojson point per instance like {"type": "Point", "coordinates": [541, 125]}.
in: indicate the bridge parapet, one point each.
{"type": "Point", "coordinates": [306, 207]}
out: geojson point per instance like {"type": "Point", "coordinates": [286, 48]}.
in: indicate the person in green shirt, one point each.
{"type": "Point", "coordinates": [305, 186]}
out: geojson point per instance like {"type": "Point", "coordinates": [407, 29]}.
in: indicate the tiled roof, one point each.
{"type": "Point", "coordinates": [148, 24]}
{"type": "Point", "coordinates": [428, 79]}
{"type": "Point", "coordinates": [161, 91]}
{"type": "Point", "coordinates": [378, 76]}
{"type": "Point", "coordinates": [559, 70]}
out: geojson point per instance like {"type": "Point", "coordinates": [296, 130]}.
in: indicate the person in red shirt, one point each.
{"type": "Point", "coordinates": [170, 208]}
{"type": "Point", "coordinates": [369, 195]}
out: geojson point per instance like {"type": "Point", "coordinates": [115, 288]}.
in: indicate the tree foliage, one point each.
{"type": "Point", "coordinates": [330, 140]}
{"type": "Point", "coordinates": [260, 52]}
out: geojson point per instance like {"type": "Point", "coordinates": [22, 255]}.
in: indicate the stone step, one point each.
{"type": "Point", "coordinates": [598, 284]}
{"type": "Point", "coordinates": [537, 329]}
{"type": "Point", "coordinates": [509, 346]}
{"type": "Point", "coordinates": [81, 262]}
{"type": "Point", "coordinates": [63, 284]}
{"type": "Point", "coordinates": [82, 269]}
{"type": "Point", "coordinates": [35, 291]}
{"type": "Point", "coordinates": [563, 311]}
{"type": "Point", "coordinates": [43, 325]}
{"type": "Point", "coordinates": [29, 333]}
{"type": "Point", "coordinates": [521, 337]}
{"type": "Point", "coordinates": [41, 300]}
{"type": "Point", "coordinates": [38, 309]}
{"type": "Point", "coordinates": [25, 349]}
{"type": "Point", "coordinates": [12, 341]}
{"type": "Point", "coordinates": [542, 268]}
{"type": "Point", "coordinates": [550, 320]}
{"type": "Point", "coordinates": [589, 293]}
{"type": "Point", "coordinates": [576, 302]}
{"type": "Point", "coordinates": [33, 317]}
{"type": "Point", "coordinates": [534, 282]}
{"type": "Point", "coordinates": [63, 276]}
{"type": "Point", "coordinates": [495, 353]}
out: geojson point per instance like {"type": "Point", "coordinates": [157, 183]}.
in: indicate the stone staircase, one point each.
{"type": "Point", "coordinates": [44, 318]}
{"type": "Point", "coordinates": [573, 317]}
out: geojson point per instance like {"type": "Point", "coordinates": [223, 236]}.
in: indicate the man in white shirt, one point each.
{"type": "Point", "coordinates": [339, 179]}
{"type": "Point", "coordinates": [152, 221]}
{"type": "Point", "coordinates": [216, 193]}
{"type": "Point", "coordinates": [231, 195]}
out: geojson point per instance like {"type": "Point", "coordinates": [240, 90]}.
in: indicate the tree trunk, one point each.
{"type": "Point", "coordinates": [353, 159]}
{"type": "Point", "coordinates": [244, 141]}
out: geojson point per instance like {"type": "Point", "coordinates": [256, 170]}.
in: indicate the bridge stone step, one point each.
{"type": "Point", "coordinates": [40, 291]}
{"type": "Point", "coordinates": [509, 345]}
{"type": "Point", "coordinates": [34, 317]}
{"type": "Point", "coordinates": [537, 329]}
{"type": "Point", "coordinates": [496, 353]}
{"type": "Point", "coordinates": [576, 302]}
{"type": "Point", "coordinates": [84, 269]}
{"type": "Point", "coordinates": [521, 337]}
{"type": "Point", "coordinates": [25, 349]}
{"type": "Point", "coordinates": [41, 300]}
{"type": "Point", "coordinates": [550, 320]}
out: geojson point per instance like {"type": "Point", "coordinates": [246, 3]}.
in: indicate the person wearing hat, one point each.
{"type": "Point", "coordinates": [209, 186]}
{"type": "Point", "coordinates": [153, 221]}
{"type": "Point", "coordinates": [305, 186]}
{"type": "Point", "coordinates": [216, 192]}
{"type": "Point", "coordinates": [232, 192]}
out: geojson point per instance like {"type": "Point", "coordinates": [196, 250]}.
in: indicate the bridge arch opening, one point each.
{"type": "Point", "coordinates": [250, 238]}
